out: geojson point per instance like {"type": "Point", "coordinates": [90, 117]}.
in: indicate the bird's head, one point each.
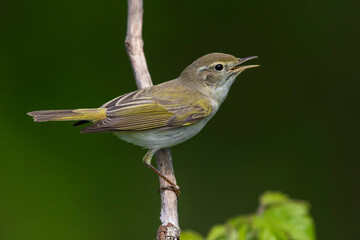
{"type": "Point", "coordinates": [214, 73]}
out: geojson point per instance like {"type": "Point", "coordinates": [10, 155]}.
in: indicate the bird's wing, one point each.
{"type": "Point", "coordinates": [143, 110]}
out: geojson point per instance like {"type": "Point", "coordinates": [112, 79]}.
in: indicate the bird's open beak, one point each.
{"type": "Point", "coordinates": [238, 69]}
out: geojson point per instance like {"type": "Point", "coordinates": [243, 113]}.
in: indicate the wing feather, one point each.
{"type": "Point", "coordinates": [143, 110]}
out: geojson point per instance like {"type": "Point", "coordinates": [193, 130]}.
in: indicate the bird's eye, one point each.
{"type": "Point", "coordinates": [219, 67]}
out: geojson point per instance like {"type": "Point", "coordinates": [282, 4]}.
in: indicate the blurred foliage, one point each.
{"type": "Point", "coordinates": [277, 218]}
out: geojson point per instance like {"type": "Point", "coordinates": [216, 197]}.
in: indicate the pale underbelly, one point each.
{"type": "Point", "coordinates": [157, 139]}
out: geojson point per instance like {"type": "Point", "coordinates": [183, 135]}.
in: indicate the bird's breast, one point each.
{"type": "Point", "coordinates": [162, 138]}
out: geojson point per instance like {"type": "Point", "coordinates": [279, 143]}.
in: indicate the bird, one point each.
{"type": "Point", "coordinates": [163, 115]}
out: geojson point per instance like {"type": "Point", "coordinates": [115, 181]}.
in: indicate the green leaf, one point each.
{"type": "Point", "coordinates": [278, 218]}
{"type": "Point", "coordinates": [238, 221]}
{"type": "Point", "coordinates": [241, 226]}
{"type": "Point", "coordinates": [245, 233]}
{"type": "Point", "coordinates": [270, 198]}
{"type": "Point", "coordinates": [271, 234]}
{"type": "Point", "coordinates": [218, 232]}
{"type": "Point", "coordinates": [190, 235]}
{"type": "Point", "coordinates": [289, 220]}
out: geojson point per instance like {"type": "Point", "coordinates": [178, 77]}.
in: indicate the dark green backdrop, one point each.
{"type": "Point", "coordinates": [291, 125]}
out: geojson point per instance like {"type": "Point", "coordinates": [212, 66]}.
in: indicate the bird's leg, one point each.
{"type": "Point", "coordinates": [147, 161]}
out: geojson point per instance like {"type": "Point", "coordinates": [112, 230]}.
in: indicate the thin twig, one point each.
{"type": "Point", "coordinates": [169, 214]}
{"type": "Point", "coordinates": [169, 228]}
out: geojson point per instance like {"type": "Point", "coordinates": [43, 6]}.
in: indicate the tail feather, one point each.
{"type": "Point", "coordinates": [91, 114]}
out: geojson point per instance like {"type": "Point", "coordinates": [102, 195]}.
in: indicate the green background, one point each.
{"type": "Point", "coordinates": [291, 125]}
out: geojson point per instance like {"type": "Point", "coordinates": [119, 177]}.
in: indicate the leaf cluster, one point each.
{"type": "Point", "coordinates": [277, 218]}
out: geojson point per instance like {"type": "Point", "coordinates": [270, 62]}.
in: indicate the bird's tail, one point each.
{"type": "Point", "coordinates": [90, 114]}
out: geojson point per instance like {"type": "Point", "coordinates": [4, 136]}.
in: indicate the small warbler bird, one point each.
{"type": "Point", "coordinates": [163, 115]}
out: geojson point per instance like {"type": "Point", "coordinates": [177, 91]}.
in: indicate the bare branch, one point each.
{"type": "Point", "coordinates": [169, 228]}
{"type": "Point", "coordinates": [169, 213]}
{"type": "Point", "coordinates": [134, 44]}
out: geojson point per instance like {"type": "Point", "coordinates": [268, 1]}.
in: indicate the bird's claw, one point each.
{"type": "Point", "coordinates": [175, 189]}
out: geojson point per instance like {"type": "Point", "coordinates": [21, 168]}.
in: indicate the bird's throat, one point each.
{"type": "Point", "coordinates": [222, 90]}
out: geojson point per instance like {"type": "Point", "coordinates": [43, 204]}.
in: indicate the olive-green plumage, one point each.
{"type": "Point", "coordinates": [165, 114]}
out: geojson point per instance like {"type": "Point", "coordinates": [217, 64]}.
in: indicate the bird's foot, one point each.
{"type": "Point", "coordinates": [175, 189]}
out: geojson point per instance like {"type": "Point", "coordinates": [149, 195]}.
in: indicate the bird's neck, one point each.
{"type": "Point", "coordinates": [220, 92]}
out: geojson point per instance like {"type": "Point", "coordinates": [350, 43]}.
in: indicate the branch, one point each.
{"type": "Point", "coordinates": [134, 43]}
{"type": "Point", "coordinates": [169, 228]}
